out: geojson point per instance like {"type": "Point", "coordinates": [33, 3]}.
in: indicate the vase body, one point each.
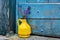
{"type": "Point", "coordinates": [24, 29]}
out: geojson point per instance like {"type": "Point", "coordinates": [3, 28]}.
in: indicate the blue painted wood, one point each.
{"type": "Point", "coordinates": [54, 1]}
{"type": "Point", "coordinates": [3, 16]}
{"type": "Point", "coordinates": [42, 10]}
{"type": "Point", "coordinates": [12, 15]}
{"type": "Point", "coordinates": [38, 1]}
{"type": "Point", "coordinates": [41, 27]}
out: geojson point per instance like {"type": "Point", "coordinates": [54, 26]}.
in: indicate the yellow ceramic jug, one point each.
{"type": "Point", "coordinates": [24, 29]}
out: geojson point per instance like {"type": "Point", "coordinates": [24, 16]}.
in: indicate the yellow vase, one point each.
{"type": "Point", "coordinates": [24, 29]}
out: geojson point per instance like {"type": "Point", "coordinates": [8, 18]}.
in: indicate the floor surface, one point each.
{"type": "Point", "coordinates": [15, 37]}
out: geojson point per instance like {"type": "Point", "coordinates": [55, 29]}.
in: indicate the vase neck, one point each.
{"type": "Point", "coordinates": [24, 20]}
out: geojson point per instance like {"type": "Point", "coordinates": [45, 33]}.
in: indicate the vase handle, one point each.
{"type": "Point", "coordinates": [19, 21]}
